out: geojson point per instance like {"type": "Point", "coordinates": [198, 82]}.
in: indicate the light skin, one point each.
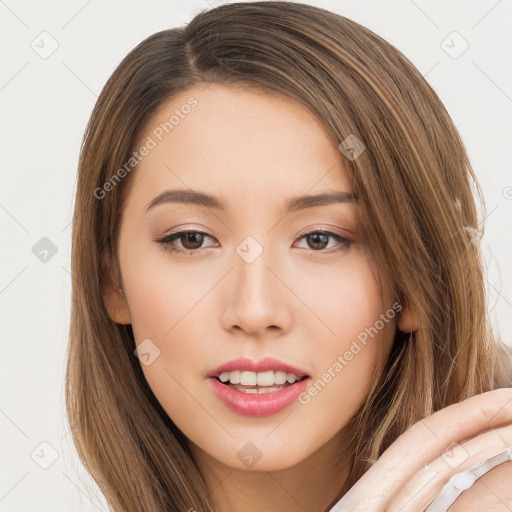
{"type": "Point", "coordinates": [299, 301]}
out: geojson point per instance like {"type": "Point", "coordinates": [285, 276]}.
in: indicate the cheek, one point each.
{"type": "Point", "coordinates": [164, 293]}
{"type": "Point", "coordinates": [171, 306]}
{"type": "Point", "coordinates": [356, 343]}
{"type": "Point", "coordinates": [343, 302]}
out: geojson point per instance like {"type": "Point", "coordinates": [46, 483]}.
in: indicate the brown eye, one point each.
{"type": "Point", "coordinates": [318, 241]}
{"type": "Point", "coordinates": [192, 240]}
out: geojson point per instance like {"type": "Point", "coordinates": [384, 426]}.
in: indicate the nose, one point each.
{"type": "Point", "coordinates": [258, 299]}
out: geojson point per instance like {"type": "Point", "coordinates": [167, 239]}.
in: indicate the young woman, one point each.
{"type": "Point", "coordinates": [278, 296]}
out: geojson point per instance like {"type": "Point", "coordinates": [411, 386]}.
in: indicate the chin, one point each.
{"type": "Point", "coordinates": [260, 454]}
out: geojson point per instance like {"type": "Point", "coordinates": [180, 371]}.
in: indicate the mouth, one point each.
{"type": "Point", "coordinates": [258, 389]}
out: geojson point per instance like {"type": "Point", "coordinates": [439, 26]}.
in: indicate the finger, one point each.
{"type": "Point", "coordinates": [424, 442]}
{"type": "Point", "coordinates": [428, 483]}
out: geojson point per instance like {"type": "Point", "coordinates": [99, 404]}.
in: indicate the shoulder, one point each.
{"type": "Point", "coordinates": [492, 492]}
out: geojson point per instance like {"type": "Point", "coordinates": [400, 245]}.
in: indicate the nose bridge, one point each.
{"type": "Point", "coordinates": [256, 302]}
{"type": "Point", "coordinates": [251, 269]}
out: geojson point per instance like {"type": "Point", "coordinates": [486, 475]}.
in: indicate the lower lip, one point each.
{"type": "Point", "coordinates": [250, 404]}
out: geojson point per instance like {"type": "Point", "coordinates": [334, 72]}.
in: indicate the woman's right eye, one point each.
{"type": "Point", "coordinates": [192, 237]}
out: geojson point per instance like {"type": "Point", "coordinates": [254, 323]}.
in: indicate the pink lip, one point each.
{"type": "Point", "coordinates": [265, 365]}
{"type": "Point", "coordinates": [255, 404]}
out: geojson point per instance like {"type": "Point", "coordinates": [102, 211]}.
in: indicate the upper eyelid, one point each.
{"type": "Point", "coordinates": [308, 232]}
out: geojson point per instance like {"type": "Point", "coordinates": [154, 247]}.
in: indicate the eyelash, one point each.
{"type": "Point", "coordinates": [166, 241]}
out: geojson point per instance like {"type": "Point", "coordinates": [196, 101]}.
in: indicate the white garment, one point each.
{"type": "Point", "coordinates": [462, 481]}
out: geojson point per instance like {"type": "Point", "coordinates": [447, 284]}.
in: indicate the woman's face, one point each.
{"type": "Point", "coordinates": [257, 278]}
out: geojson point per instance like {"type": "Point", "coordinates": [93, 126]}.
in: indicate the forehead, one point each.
{"type": "Point", "coordinates": [235, 140]}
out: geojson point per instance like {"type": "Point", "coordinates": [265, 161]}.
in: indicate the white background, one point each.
{"type": "Point", "coordinates": [45, 104]}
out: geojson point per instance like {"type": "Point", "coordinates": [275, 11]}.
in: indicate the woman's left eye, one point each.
{"type": "Point", "coordinates": [319, 238]}
{"type": "Point", "coordinates": [194, 239]}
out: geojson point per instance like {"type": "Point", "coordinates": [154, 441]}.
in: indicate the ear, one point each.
{"type": "Point", "coordinates": [113, 297]}
{"type": "Point", "coordinates": [408, 320]}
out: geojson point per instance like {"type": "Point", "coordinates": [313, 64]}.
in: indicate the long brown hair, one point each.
{"type": "Point", "coordinates": [418, 217]}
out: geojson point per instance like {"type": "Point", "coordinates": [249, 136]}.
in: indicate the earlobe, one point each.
{"type": "Point", "coordinates": [408, 320]}
{"type": "Point", "coordinates": [113, 297]}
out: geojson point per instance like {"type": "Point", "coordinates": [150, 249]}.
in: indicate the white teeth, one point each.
{"type": "Point", "coordinates": [279, 377]}
{"type": "Point", "coordinates": [269, 389]}
{"type": "Point", "coordinates": [234, 377]}
{"type": "Point", "coordinates": [248, 378]}
{"type": "Point", "coordinates": [260, 391]}
{"type": "Point", "coordinates": [269, 378]}
{"type": "Point", "coordinates": [224, 376]}
{"type": "Point", "coordinates": [265, 379]}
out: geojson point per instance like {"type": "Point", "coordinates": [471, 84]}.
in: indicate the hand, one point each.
{"type": "Point", "coordinates": [411, 473]}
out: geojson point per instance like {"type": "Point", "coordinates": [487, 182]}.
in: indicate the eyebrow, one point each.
{"type": "Point", "coordinates": [291, 205]}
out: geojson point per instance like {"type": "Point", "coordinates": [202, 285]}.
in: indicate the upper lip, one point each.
{"type": "Point", "coordinates": [263, 365]}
